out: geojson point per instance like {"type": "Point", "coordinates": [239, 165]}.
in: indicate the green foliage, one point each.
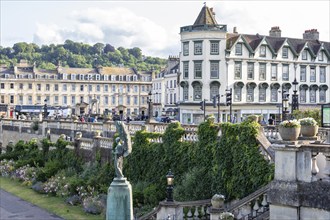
{"type": "Point", "coordinates": [76, 54]}
{"type": "Point", "coordinates": [308, 113]}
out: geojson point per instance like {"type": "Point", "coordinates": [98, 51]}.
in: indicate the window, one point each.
{"type": "Point", "coordinates": [113, 100]}
{"type": "Point", "coordinates": [113, 88]}
{"type": "Point", "coordinates": [185, 48]}
{"type": "Point", "coordinates": [81, 88]}
{"type": "Point", "coordinates": [185, 69]}
{"type": "Point", "coordinates": [312, 74]}
{"type": "Point", "coordinates": [106, 100]}
{"type": "Point", "coordinates": [56, 99]}
{"type": "Point", "coordinates": [250, 71]}
{"type": "Point", "coordinates": [128, 88]}
{"type": "Point", "coordinates": [312, 96]}
{"type": "Point", "coordinates": [198, 47]}
{"type": "Point", "coordinates": [197, 92]}
{"type": "Point", "coordinates": [12, 99]}
{"type": "Point", "coordinates": [214, 47]}
{"type": "Point", "coordinates": [73, 87]}
{"type": "Point", "coordinates": [30, 85]}
{"type": "Point", "coordinates": [249, 94]}
{"type": "Point", "coordinates": [90, 88]}
{"type": "Point", "coordinates": [2, 99]}
{"type": "Point", "coordinates": [302, 73]}
{"type": "Point", "coordinates": [171, 98]}
{"type": "Point", "coordinates": [322, 74]}
{"type": "Point", "coordinates": [98, 88]}
{"type": "Point", "coordinates": [73, 76]}
{"type": "Point", "coordinates": [142, 88]}
{"type": "Point", "coordinates": [262, 51]}
{"type": "Point", "coordinates": [322, 96]}
{"type": "Point", "coordinates": [273, 95]}
{"type": "Point", "coordinates": [30, 100]}
{"type": "Point", "coordinates": [198, 69]}
{"type": "Point", "coordinates": [304, 55]}
{"type": "Point", "coordinates": [262, 94]}
{"type": "Point", "coordinates": [285, 72]}
{"type": "Point", "coordinates": [238, 70]}
{"type": "Point", "coordinates": [81, 99]}
{"type": "Point", "coordinates": [11, 85]}
{"type": "Point", "coordinates": [238, 49]}
{"type": "Point", "coordinates": [65, 87]}
{"type": "Point", "coordinates": [73, 100]}
{"type": "Point", "coordinates": [47, 87]}
{"type": "Point", "coordinates": [128, 100]}
{"type": "Point", "coordinates": [135, 89]}
{"type": "Point", "coordinates": [214, 90]}
{"type": "Point", "coordinates": [237, 94]}
{"type": "Point", "coordinates": [38, 99]}
{"type": "Point", "coordinates": [20, 99]}
{"type": "Point", "coordinates": [285, 52]}
{"type": "Point", "coordinates": [21, 86]}
{"type": "Point", "coordinates": [39, 87]}
{"type": "Point", "coordinates": [98, 76]}
{"type": "Point", "coordinates": [320, 56]}
{"type": "Point", "coordinates": [214, 66]}
{"type": "Point", "coordinates": [2, 85]}
{"type": "Point", "coordinates": [135, 100]}
{"type": "Point", "coordinates": [56, 87]}
{"type": "Point", "coordinates": [120, 100]}
{"type": "Point", "coordinates": [65, 76]}
{"type": "Point", "coordinates": [65, 100]}
{"type": "Point", "coordinates": [303, 95]}
{"type": "Point", "coordinates": [274, 72]}
{"type": "Point", "coordinates": [106, 88]}
{"type": "Point", "coordinates": [185, 93]}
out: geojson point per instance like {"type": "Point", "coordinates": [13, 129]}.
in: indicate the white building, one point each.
{"type": "Point", "coordinates": [257, 69]}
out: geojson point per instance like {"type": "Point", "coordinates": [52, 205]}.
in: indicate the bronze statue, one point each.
{"type": "Point", "coordinates": [122, 149]}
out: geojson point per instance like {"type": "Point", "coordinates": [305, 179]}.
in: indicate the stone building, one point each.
{"type": "Point", "coordinates": [117, 90]}
{"type": "Point", "coordinates": [258, 69]}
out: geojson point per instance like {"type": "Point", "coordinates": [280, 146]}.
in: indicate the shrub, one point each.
{"type": "Point", "coordinates": [308, 121]}
{"type": "Point", "coordinates": [290, 124]}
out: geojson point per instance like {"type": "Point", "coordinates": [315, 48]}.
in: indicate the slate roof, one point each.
{"type": "Point", "coordinates": [206, 16]}
{"type": "Point", "coordinates": [275, 43]}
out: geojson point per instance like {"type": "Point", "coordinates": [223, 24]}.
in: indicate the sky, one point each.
{"type": "Point", "coordinates": [153, 26]}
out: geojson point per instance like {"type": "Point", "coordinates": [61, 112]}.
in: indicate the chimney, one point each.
{"type": "Point", "coordinates": [235, 30]}
{"type": "Point", "coordinates": [275, 32]}
{"type": "Point", "coordinates": [312, 34]}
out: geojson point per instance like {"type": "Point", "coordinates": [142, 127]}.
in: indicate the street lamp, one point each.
{"type": "Point", "coordinates": [45, 109]}
{"type": "Point", "coordinates": [169, 188]}
{"type": "Point", "coordinates": [149, 101]}
{"type": "Point", "coordinates": [285, 105]}
{"type": "Point", "coordinates": [295, 103]}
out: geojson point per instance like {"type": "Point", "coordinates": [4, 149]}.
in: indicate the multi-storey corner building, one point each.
{"type": "Point", "coordinates": [165, 90]}
{"type": "Point", "coordinates": [117, 90]}
{"type": "Point", "coordinates": [257, 68]}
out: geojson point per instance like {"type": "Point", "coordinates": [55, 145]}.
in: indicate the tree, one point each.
{"type": "Point", "coordinates": [109, 48]}
{"type": "Point", "coordinates": [98, 48]}
{"type": "Point", "coordinates": [136, 52]}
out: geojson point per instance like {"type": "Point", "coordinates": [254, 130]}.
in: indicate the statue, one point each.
{"type": "Point", "coordinates": [123, 148]}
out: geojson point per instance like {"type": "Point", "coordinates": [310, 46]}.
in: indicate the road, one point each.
{"type": "Point", "coordinates": [15, 208]}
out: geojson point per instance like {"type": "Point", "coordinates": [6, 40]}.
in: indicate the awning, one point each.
{"type": "Point", "coordinates": [275, 86]}
{"type": "Point", "coordinates": [196, 82]}
{"type": "Point", "coordinates": [184, 84]}
{"type": "Point", "coordinates": [239, 84]}
{"type": "Point", "coordinates": [303, 87]}
{"type": "Point", "coordinates": [286, 86]}
{"type": "Point", "coordinates": [251, 85]}
{"type": "Point", "coordinates": [313, 87]}
{"type": "Point", "coordinates": [323, 87]}
{"type": "Point", "coordinates": [263, 85]}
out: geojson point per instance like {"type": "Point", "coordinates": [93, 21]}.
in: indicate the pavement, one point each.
{"type": "Point", "coordinates": [15, 208]}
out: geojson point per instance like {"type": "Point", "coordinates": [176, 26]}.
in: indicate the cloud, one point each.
{"type": "Point", "coordinates": [117, 26]}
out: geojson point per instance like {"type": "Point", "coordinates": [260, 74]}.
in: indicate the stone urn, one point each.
{"type": "Point", "coordinates": [309, 130]}
{"type": "Point", "coordinates": [289, 133]}
{"type": "Point", "coordinates": [226, 216]}
{"type": "Point", "coordinates": [78, 135]}
{"type": "Point", "coordinates": [217, 201]}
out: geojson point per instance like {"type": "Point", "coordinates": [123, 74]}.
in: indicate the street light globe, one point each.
{"type": "Point", "coordinates": [170, 178]}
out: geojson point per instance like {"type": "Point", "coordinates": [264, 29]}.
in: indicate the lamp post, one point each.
{"type": "Point", "coordinates": [45, 109]}
{"type": "Point", "coordinates": [169, 188]}
{"type": "Point", "coordinates": [295, 103]}
{"type": "Point", "coordinates": [285, 105]}
{"type": "Point", "coordinates": [149, 101]}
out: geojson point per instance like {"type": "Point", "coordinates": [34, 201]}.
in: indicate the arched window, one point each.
{"type": "Point", "coordinates": [238, 91]}
{"type": "Point", "coordinates": [214, 89]}
{"type": "Point", "coordinates": [302, 91]}
{"type": "Point", "coordinates": [197, 90]}
{"type": "Point", "coordinates": [262, 92]}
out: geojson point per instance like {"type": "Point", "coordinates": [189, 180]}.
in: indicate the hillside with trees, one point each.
{"type": "Point", "coordinates": [79, 55]}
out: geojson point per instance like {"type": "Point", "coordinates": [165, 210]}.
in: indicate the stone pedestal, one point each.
{"type": "Point", "coordinates": [119, 201]}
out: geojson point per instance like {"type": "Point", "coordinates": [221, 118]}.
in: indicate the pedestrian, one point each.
{"type": "Point", "coordinates": [270, 121]}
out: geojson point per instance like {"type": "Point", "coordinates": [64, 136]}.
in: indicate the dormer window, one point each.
{"type": "Point", "coordinates": [65, 76]}
{"type": "Point", "coordinates": [73, 76]}
{"type": "Point", "coordinates": [285, 51]}
{"type": "Point", "coordinates": [98, 76]}
{"type": "Point", "coordinates": [304, 55]}
{"type": "Point", "coordinates": [238, 49]}
{"type": "Point", "coordinates": [81, 77]}
{"type": "Point", "coordinates": [105, 77]}
{"type": "Point", "coordinates": [262, 52]}
{"type": "Point", "coordinates": [320, 56]}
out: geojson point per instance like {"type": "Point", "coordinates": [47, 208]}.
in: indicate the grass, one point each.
{"type": "Point", "coordinates": [52, 204]}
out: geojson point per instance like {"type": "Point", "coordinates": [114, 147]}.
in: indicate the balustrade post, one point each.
{"type": "Point", "coordinates": [327, 167]}
{"type": "Point", "coordinates": [315, 168]}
